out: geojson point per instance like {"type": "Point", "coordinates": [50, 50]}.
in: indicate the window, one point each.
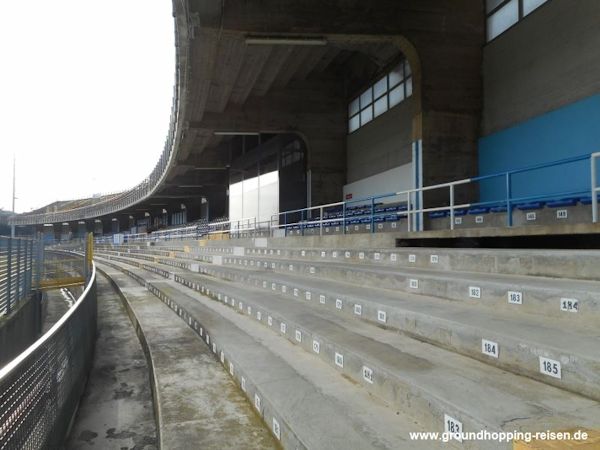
{"type": "Point", "coordinates": [503, 14]}
{"type": "Point", "coordinates": [378, 98]}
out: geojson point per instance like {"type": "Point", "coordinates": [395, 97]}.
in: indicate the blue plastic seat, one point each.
{"type": "Point", "coordinates": [530, 206]}
{"type": "Point", "coordinates": [391, 208]}
{"type": "Point", "coordinates": [437, 214]}
{"type": "Point", "coordinates": [393, 218]}
{"type": "Point", "coordinates": [587, 200]}
{"type": "Point", "coordinates": [365, 220]}
{"type": "Point", "coordinates": [498, 209]}
{"type": "Point", "coordinates": [378, 219]}
{"type": "Point", "coordinates": [380, 209]}
{"type": "Point", "coordinates": [459, 212]}
{"type": "Point", "coordinates": [569, 201]}
{"type": "Point", "coordinates": [478, 210]}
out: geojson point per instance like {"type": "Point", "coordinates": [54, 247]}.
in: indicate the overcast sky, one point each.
{"type": "Point", "coordinates": [85, 95]}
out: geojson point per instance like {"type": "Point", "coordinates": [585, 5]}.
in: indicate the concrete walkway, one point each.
{"type": "Point", "coordinates": [198, 405]}
{"type": "Point", "coordinates": [116, 408]}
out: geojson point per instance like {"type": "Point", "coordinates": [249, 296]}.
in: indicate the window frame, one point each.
{"type": "Point", "coordinates": [405, 77]}
{"type": "Point", "coordinates": [501, 5]}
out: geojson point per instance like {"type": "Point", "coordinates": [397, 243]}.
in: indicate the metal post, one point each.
{"type": "Point", "coordinates": [408, 217]}
{"type": "Point", "coordinates": [594, 194]}
{"type": "Point", "coordinates": [302, 222]}
{"type": "Point", "coordinates": [372, 214]}
{"type": "Point", "coordinates": [509, 220]}
{"type": "Point", "coordinates": [344, 217]}
{"type": "Point", "coordinates": [321, 221]}
{"type": "Point", "coordinates": [18, 288]}
{"type": "Point", "coordinates": [452, 207]}
{"type": "Point", "coordinates": [8, 276]}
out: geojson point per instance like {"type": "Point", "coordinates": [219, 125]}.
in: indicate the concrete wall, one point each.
{"type": "Point", "coordinates": [394, 180]}
{"type": "Point", "coordinates": [19, 330]}
{"type": "Point", "coordinates": [382, 144]}
{"type": "Point", "coordinates": [542, 100]}
{"type": "Point", "coordinates": [569, 131]}
{"type": "Point", "coordinates": [546, 61]}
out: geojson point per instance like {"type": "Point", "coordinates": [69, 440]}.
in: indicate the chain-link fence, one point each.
{"type": "Point", "coordinates": [19, 271]}
{"type": "Point", "coordinates": [40, 389]}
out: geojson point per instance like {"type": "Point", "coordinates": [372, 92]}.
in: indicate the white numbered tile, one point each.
{"type": "Point", "coordinates": [381, 316]}
{"type": "Point", "coordinates": [258, 315]}
{"type": "Point", "coordinates": [562, 214]}
{"type": "Point", "coordinates": [276, 429]}
{"type": "Point", "coordinates": [367, 374]}
{"type": "Point", "coordinates": [323, 254]}
{"type": "Point", "coordinates": [361, 255]}
{"type": "Point", "coordinates": [316, 346]}
{"type": "Point", "coordinates": [214, 348]}
{"type": "Point", "coordinates": [490, 348]}
{"type": "Point", "coordinates": [531, 216]}
{"type": "Point", "coordinates": [377, 256]}
{"type": "Point", "coordinates": [569, 305]}
{"type": "Point", "coordinates": [303, 253]}
{"type": "Point", "coordinates": [338, 303]}
{"type": "Point", "coordinates": [478, 219]}
{"type": "Point", "coordinates": [457, 220]}
{"type": "Point", "coordinates": [222, 357]}
{"type": "Point", "coordinates": [434, 259]}
{"type": "Point", "coordinates": [243, 384]}
{"type": "Point", "coordinates": [412, 258]}
{"type": "Point", "coordinates": [515, 297]}
{"type": "Point", "coordinates": [298, 336]}
{"type": "Point", "coordinates": [339, 360]}
{"type": "Point", "coordinates": [284, 289]}
{"type": "Point", "coordinates": [347, 254]}
{"type": "Point", "coordinates": [453, 426]}
{"type": "Point", "coordinates": [474, 292]}
{"type": "Point", "coordinates": [230, 368]}
{"type": "Point", "coordinates": [550, 367]}
{"type": "Point", "coordinates": [393, 257]}
{"type": "Point", "coordinates": [270, 321]}
{"type": "Point", "coordinates": [283, 327]}
{"type": "Point", "coordinates": [322, 299]}
{"type": "Point", "coordinates": [308, 295]}
{"type": "Point", "coordinates": [312, 270]}
{"type": "Point", "coordinates": [257, 402]}
{"type": "Point", "coordinates": [358, 310]}
{"type": "Point", "coordinates": [249, 310]}
{"type": "Point", "coordinates": [413, 284]}
{"type": "Point", "coordinates": [295, 292]}
{"type": "Point", "coordinates": [334, 254]}
{"type": "Point", "coordinates": [273, 286]}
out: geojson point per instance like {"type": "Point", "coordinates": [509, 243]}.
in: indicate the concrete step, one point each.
{"type": "Point", "coordinates": [429, 382]}
{"type": "Point", "coordinates": [195, 401]}
{"type": "Point", "coordinates": [521, 340]}
{"type": "Point", "coordinates": [567, 300]}
{"type": "Point", "coordinates": [576, 301]}
{"type": "Point", "coordinates": [575, 264]}
{"type": "Point", "coordinates": [305, 399]}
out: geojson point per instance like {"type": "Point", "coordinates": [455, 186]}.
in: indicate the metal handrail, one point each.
{"type": "Point", "coordinates": [41, 387]}
{"type": "Point", "coordinates": [410, 212]}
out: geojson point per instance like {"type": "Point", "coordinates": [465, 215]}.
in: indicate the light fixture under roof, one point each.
{"type": "Point", "coordinates": [236, 133]}
{"type": "Point", "coordinates": [284, 40]}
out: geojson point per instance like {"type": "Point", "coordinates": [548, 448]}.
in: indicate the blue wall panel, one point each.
{"type": "Point", "coordinates": [569, 131]}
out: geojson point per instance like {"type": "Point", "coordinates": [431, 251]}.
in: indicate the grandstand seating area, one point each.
{"type": "Point", "coordinates": [334, 341]}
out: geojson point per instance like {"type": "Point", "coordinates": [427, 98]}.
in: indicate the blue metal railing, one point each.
{"type": "Point", "coordinates": [408, 196]}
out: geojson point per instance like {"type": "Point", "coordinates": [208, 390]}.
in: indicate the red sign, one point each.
{"type": "Point", "coordinates": [348, 196]}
